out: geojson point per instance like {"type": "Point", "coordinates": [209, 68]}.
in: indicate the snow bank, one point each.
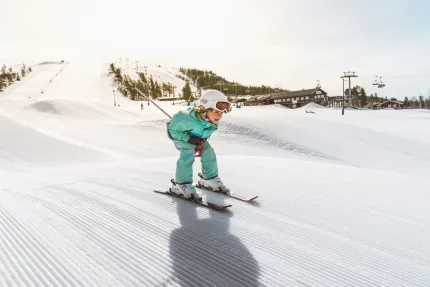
{"type": "Point", "coordinates": [24, 144]}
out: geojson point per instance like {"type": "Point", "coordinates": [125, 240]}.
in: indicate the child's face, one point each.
{"type": "Point", "coordinates": [214, 116]}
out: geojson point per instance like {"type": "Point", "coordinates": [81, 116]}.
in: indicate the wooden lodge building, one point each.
{"type": "Point", "coordinates": [390, 104]}
{"type": "Point", "coordinates": [293, 99]}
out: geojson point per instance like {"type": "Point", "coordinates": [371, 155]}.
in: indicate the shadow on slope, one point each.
{"type": "Point", "coordinates": [204, 253]}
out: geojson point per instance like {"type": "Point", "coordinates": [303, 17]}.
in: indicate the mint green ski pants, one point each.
{"type": "Point", "coordinates": [184, 165]}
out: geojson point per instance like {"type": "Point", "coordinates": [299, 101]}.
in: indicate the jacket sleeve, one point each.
{"type": "Point", "coordinates": [179, 127]}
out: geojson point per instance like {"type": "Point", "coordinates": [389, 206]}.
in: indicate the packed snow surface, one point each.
{"type": "Point", "coordinates": [343, 200]}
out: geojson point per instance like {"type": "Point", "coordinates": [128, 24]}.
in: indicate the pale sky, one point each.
{"type": "Point", "coordinates": [273, 42]}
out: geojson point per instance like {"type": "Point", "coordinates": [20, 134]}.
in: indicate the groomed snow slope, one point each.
{"type": "Point", "coordinates": [343, 200]}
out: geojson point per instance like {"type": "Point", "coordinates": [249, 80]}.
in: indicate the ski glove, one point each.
{"type": "Point", "coordinates": [194, 140]}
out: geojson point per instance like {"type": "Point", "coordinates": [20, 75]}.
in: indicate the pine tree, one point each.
{"type": "Point", "coordinates": [134, 95]}
{"type": "Point", "coordinates": [23, 71]}
{"type": "Point", "coordinates": [152, 88]}
{"type": "Point", "coordinates": [142, 78]}
{"type": "Point", "coordinates": [186, 92]}
{"type": "Point", "coordinates": [129, 87]}
{"type": "Point", "coordinates": [112, 69]}
{"type": "Point", "coordinates": [363, 97]}
{"type": "Point", "coordinates": [118, 76]}
{"type": "Point", "coordinates": [355, 95]}
{"type": "Point", "coordinates": [406, 102]}
{"type": "Point", "coordinates": [141, 87]}
{"type": "Point", "coordinates": [145, 89]}
{"type": "Point", "coordinates": [157, 90]}
{"type": "Point", "coordinates": [10, 78]}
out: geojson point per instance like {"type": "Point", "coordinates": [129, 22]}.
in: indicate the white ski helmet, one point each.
{"type": "Point", "coordinates": [214, 99]}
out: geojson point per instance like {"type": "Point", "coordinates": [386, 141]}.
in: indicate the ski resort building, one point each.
{"type": "Point", "coordinates": [390, 104]}
{"type": "Point", "coordinates": [293, 99]}
{"type": "Point", "coordinates": [297, 99]}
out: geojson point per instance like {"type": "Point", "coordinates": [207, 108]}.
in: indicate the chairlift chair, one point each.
{"type": "Point", "coordinates": [381, 84]}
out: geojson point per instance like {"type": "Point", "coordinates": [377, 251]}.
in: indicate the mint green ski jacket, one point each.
{"type": "Point", "coordinates": [189, 122]}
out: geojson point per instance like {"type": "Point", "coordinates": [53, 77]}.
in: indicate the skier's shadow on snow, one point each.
{"type": "Point", "coordinates": [205, 253]}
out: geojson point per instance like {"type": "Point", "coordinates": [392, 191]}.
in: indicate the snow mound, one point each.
{"type": "Point", "coordinates": [249, 134]}
{"type": "Point", "coordinates": [45, 107]}
{"type": "Point", "coordinates": [353, 139]}
{"type": "Point", "coordinates": [81, 110]}
{"type": "Point", "coordinates": [24, 144]}
{"type": "Point", "coordinates": [279, 106]}
{"type": "Point", "coordinates": [312, 106]}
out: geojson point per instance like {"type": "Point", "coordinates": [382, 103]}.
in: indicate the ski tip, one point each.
{"type": "Point", "coordinates": [160, 191]}
{"type": "Point", "coordinates": [251, 198]}
{"type": "Point", "coordinates": [220, 207]}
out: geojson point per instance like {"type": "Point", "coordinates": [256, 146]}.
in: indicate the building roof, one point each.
{"type": "Point", "coordinates": [259, 98]}
{"type": "Point", "coordinates": [390, 101]}
{"type": "Point", "coordinates": [299, 93]}
{"type": "Point", "coordinates": [236, 99]}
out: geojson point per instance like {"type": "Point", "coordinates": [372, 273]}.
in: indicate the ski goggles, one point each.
{"type": "Point", "coordinates": [223, 107]}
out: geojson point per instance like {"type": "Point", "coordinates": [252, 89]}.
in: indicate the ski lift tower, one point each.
{"type": "Point", "coordinates": [349, 75]}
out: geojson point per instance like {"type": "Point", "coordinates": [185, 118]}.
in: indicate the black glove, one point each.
{"type": "Point", "coordinates": [194, 140]}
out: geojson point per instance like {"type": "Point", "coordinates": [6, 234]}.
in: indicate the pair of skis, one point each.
{"type": "Point", "coordinates": [207, 203]}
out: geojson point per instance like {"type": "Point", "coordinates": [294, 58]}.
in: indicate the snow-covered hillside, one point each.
{"type": "Point", "coordinates": [343, 200]}
{"type": "Point", "coordinates": [159, 74]}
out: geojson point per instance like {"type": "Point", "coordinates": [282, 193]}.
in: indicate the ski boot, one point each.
{"type": "Point", "coordinates": [214, 184]}
{"type": "Point", "coordinates": [187, 190]}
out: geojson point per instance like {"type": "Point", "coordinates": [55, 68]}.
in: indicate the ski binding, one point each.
{"type": "Point", "coordinates": [227, 193]}
{"type": "Point", "coordinates": [198, 201]}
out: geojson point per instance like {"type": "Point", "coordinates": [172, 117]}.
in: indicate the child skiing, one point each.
{"type": "Point", "coordinates": [190, 130]}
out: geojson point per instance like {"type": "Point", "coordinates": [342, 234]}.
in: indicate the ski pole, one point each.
{"type": "Point", "coordinates": [140, 92]}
